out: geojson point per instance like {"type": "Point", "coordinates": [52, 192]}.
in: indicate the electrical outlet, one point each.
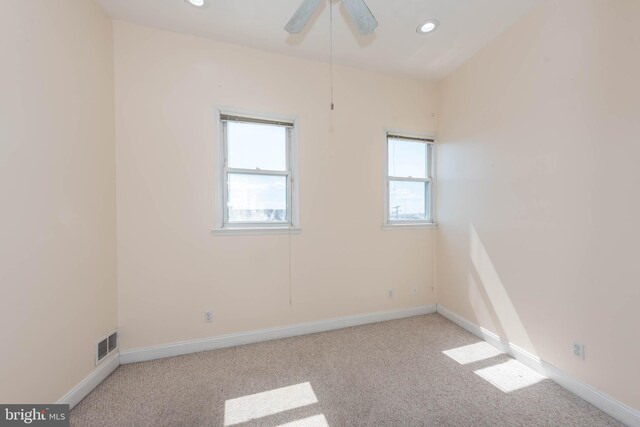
{"type": "Point", "coordinates": [390, 293]}
{"type": "Point", "coordinates": [208, 316]}
{"type": "Point", "coordinates": [578, 350]}
{"type": "Point", "coordinates": [414, 291]}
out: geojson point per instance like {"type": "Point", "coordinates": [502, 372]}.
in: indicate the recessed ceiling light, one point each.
{"type": "Point", "coordinates": [428, 27]}
{"type": "Point", "coordinates": [196, 3]}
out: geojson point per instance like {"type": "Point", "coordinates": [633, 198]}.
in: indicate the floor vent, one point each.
{"type": "Point", "coordinates": [105, 346]}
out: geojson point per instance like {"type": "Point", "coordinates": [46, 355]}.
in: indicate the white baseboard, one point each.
{"type": "Point", "coordinates": [604, 402]}
{"type": "Point", "coordinates": [194, 346]}
{"type": "Point", "coordinates": [87, 385]}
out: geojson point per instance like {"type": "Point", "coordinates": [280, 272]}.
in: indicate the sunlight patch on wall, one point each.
{"type": "Point", "coordinates": [501, 304]}
{"type": "Point", "coordinates": [247, 408]}
{"type": "Point", "coordinates": [510, 376]}
{"type": "Point", "coordinates": [479, 306]}
{"type": "Point", "coordinates": [473, 353]}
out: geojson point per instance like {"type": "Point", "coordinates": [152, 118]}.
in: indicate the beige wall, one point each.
{"type": "Point", "coordinates": [538, 189]}
{"type": "Point", "coordinates": [57, 181]}
{"type": "Point", "coordinates": [171, 268]}
{"type": "Point", "coordinates": [537, 184]}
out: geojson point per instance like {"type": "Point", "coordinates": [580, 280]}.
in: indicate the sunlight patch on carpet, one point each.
{"type": "Point", "coordinates": [473, 353]}
{"type": "Point", "coordinates": [315, 421]}
{"type": "Point", "coordinates": [510, 376]}
{"type": "Point", "coordinates": [250, 407]}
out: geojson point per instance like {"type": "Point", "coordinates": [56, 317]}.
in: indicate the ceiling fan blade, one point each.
{"type": "Point", "coordinates": [302, 16]}
{"type": "Point", "coordinates": [361, 15]}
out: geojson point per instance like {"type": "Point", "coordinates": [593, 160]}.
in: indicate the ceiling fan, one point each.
{"type": "Point", "coordinates": [357, 10]}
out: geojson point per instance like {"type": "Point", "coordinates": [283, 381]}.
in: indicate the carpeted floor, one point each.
{"type": "Point", "coordinates": [386, 374]}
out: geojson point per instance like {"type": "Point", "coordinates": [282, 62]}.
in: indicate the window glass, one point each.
{"type": "Point", "coordinates": [407, 201]}
{"type": "Point", "coordinates": [257, 198]}
{"type": "Point", "coordinates": [256, 146]}
{"type": "Point", "coordinates": [407, 158]}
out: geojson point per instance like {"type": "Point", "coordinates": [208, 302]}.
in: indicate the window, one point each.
{"type": "Point", "coordinates": [257, 177]}
{"type": "Point", "coordinates": [409, 180]}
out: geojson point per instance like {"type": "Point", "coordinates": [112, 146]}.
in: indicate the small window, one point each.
{"type": "Point", "coordinates": [409, 180]}
{"type": "Point", "coordinates": [257, 176]}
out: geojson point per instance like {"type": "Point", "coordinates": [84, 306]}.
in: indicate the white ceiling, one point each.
{"type": "Point", "coordinates": [465, 27]}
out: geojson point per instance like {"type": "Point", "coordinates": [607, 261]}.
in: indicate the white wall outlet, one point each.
{"type": "Point", "coordinates": [390, 293]}
{"type": "Point", "coordinates": [208, 316]}
{"type": "Point", "coordinates": [414, 291]}
{"type": "Point", "coordinates": [578, 350]}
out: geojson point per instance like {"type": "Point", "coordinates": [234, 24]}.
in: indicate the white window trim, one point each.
{"type": "Point", "coordinates": [255, 231]}
{"type": "Point", "coordinates": [387, 224]}
{"type": "Point", "coordinates": [220, 224]}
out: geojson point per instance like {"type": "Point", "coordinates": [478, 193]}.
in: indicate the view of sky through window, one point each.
{"type": "Point", "coordinates": [407, 159]}
{"type": "Point", "coordinates": [407, 199]}
{"type": "Point", "coordinates": [257, 197]}
{"type": "Point", "coordinates": [254, 146]}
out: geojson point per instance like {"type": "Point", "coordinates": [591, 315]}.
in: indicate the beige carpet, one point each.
{"type": "Point", "coordinates": [387, 374]}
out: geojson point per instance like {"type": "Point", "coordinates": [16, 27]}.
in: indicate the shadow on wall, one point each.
{"type": "Point", "coordinates": [489, 298]}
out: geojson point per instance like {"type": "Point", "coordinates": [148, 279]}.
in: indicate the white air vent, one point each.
{"type": "Point", "coordinates": [106, 346]}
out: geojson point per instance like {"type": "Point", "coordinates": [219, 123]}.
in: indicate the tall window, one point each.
{"type": "Point", "coordinates": [257, 175]}
{"type": "Point", "coordinates": [409, 180]}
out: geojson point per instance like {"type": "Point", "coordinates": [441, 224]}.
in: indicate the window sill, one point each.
{"type": "Point", "coordinates": [419, 226]}
{"type": "Point", "coordinates": [253, 231]}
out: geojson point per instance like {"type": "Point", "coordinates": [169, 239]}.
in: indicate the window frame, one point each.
{"type": "Point", "coordinates": [222, 223]}
{"type": "Point", "coordinates": [430, 181]}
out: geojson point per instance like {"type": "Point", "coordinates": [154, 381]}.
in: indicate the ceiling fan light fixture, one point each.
{"type": "Point", "coordinates": [197, 3]}
{"type": "Point", "coordinates": [357, 10]}
{"type": "Point", "coordinates": [428, 27]}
